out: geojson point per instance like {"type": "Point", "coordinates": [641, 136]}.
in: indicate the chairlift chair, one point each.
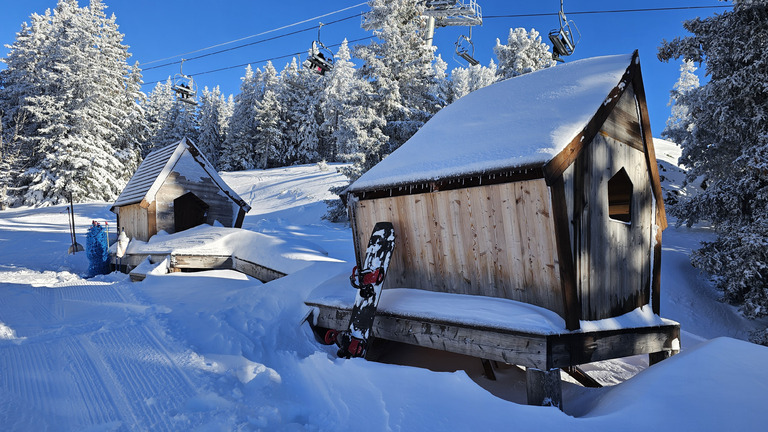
{"type": "Point", "coordinates": [318, 61]}
{"type": "Point", "coordinates": [562, 39]}
{"type": "Point", "coordinates": [184, 86]}
{"type": "Point", "coordinates": [462, 50]}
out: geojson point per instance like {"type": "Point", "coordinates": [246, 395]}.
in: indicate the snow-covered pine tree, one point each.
{"type": "Point", "coordinates": [399, 66]}
{"type": "Point", "coordinates": [354, 129]}
{"type": "Point", "coordinates": [73, 103]}
{"type": "Point", "coordinates": [268, 145]}
{"type": "Point", "coordinates": [18, 81]}
{"type": "Point", "coordinates": [175, 119]}
{"type": "Point", "coordinates": [240, 144]}
{"type": "Point", "coordinates": [136, 130]}
{"type": "Point", "coordinates": [680, 124]}
{"type": "Point", "coordinates": [524, 52]}
{"type": "Point", "coordinates": [469, 79]}
{"type": "Point", "coordinates": [118, 114]}
{"type": "Point", "coordinates": [156, 112]}
{"type": "Point", "coordinates": [728, 146]}
{"type": "Point", "coordinates": [300, 92]}
{"type": "Point", "coordinates": [214, 115]}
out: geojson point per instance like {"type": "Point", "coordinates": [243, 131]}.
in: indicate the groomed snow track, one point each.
{"type": "Point", "coordinates": [89, 356]}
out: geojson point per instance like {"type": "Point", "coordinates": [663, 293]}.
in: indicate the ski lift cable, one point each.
{"type": "Point", "coordinates": [259, 34]}
{"type": "Point", "coordinates": [661, 9]}
{"type": "Point", "coordinates": [251, 43]}
{"type": "Point", "coordinates": [259, 61]}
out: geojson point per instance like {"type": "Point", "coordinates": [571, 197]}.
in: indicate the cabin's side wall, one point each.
{"type": "Point", "coordinates": [134, 219]}
{"type": "Point", "coordinates": [189, 176]}
{"type": "Point", "coordinates": [612, 257]}
{"type": "Point", "coordinates": [494, 240]}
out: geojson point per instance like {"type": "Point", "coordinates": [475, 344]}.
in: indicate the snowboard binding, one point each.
{"type": "Point", "coordinates": [365, 281]}
{"type": "Point", "coordinates": [348, 346]}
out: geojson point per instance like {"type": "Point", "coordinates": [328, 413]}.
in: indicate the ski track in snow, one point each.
{"type": "Point", "coordinates": [86, 354]}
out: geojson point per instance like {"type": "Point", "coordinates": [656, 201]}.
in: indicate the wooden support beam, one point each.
{"type": "Point", "coordinates": [488, 370]}
{"type": "Point", "coordinates": [258, 271]}
{"type": "Point", "coordinates": [543, 387]}
{"type": "Point", "coordinates": [586, 347]}
{"type": "Point", "coordinates": [582, 377]}
{"type": "Point", "coordinates": [571, 303]}
{"type": "Point", "coordinates": [540, 351]}
{"type": "Point", "coordinates": [201, 262]}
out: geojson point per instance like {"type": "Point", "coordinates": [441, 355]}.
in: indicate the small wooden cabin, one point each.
{"type": "Point", "coordinates": [539, 190]}
{"type": "Point", "coordinates": [542, 189]}
{"type": "Point", "coordinates": [176, 188]}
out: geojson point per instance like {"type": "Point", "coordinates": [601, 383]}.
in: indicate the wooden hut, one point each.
{"type": "Point", "coordinates": [542, 189]}
{"type": "Point", "coordinates": [176, 188]}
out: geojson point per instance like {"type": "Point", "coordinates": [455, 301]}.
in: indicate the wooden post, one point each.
{"type": "Point", "coordinates": [543, 387]}
{"type": "Point", "coordinates": [488, 369]}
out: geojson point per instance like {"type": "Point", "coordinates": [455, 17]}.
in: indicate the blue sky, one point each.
{"type": "Point", "coordinates": [159, 29]}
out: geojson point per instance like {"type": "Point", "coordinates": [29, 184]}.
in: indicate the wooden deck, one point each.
{"type": "Point", "coordinates": [543, 353]}
{"type": "Point", "coordinates": [185, 262]}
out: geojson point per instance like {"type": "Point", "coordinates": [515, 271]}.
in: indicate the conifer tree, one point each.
{"type": "Point", "coordinates": [728, 146]}
{"type": "Point", "coordinates": [399, 66]}
{"type": "Point", "coordinates": [524, 52]}
{"type": "Point", "coordinates": [214, 122]}
{"type": "Point", "coordinates": [299, 96]}
{"type": "Point", "coordinates": [354, 129]}
{"type": "Point", "coordinates": [680, 124]}
{"type": "Point", "coordinates": [71, 96]}
{"type": "Point", "coordinates": [269, 125]}
{"type": "Point", "coordinates": [157, 111]}
{"type": "Point", "coordinates": [240, 144]}
{"type": "Point", "coordinates": [469, 79]}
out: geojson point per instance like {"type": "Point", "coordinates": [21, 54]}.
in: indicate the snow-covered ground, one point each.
{"type": "Point", "coordinates": [218, 350]}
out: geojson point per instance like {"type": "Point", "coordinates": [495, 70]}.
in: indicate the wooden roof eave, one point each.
{"type": "Point", "coordinates": [650, 152]}
{"type": "Point", "coordinates": [498, 176]}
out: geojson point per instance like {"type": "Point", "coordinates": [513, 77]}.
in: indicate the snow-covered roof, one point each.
{"type": "Point", "coordinates": [156, 167]}
{"type": "Point", "coordinates": [519, 122]}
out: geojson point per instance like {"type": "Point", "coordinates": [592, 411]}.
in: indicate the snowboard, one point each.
{"type": "Point", "coordinates": [367, 278]}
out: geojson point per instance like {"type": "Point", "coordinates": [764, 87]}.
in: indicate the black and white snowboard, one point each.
{"type": "Point", "coordinates": [368, 279]}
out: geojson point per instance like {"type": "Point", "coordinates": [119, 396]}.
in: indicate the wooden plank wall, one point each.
{"type": "Point", "coordinates": [612, 258]}
{"type": "Point", "coordinates": [496, 240]}
{"type": "Point", "coordinates": [134, 219]}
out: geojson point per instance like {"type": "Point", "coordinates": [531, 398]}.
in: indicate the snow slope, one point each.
{"type": "Point", "coordinates": [220, 351]}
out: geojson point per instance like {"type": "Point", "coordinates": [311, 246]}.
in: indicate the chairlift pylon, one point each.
{"type": "Point", "coordinates": [320, 59]}
{"type": "Point", "coordinates": [462, 50]}
{"type": "Point", "coordinates": [562, 39]}
{"type": "Point", "coordinates": [184, 86]}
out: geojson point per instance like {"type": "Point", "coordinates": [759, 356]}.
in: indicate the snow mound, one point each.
{"type": "Point", "coordinates": [694, 390]}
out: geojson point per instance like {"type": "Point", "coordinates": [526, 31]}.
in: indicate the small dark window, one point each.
{"type": "Point", "coordinates": [620, 197]}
